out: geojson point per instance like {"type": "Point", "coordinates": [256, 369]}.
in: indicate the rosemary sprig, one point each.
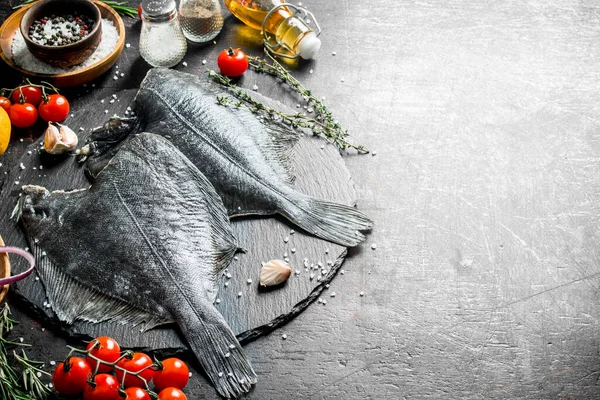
{"type": "Point", "coordinates": [323, 124]}
{"type": "Point", "coordinates": [120, 7]}
{"type": "Point", "coordinates": [14, 384]}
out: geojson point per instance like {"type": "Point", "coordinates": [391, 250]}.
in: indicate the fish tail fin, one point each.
{"type": "Point", "coordinates": [220, 354]}
{"type": "Point", "coordinates": [331, 221]}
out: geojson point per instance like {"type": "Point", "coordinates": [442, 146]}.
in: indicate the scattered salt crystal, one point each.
{"type": "Point", "coordinates": [284, 336]}
{"type": "Point", "coordinates": [297, 272]}
{"type": "Point", "coordinates": [122, 74]}
{"type": "Point", "coordinates": [333, 53]}
{"type": "Point", "coordinates": [373, 153]}
{"type": "Point", "coordinates": [342, 80]}
{"type": "Point", "coordinates": [312, 276]}
{"type": "Point", "coordinates": [16, 182]}
{"type": "Point", "coordinates": [327, 286]}
{"type": "Point", "coordinates": [21, 166]}
{"type": "Point", "coordinates": [342, 272]}
{"type": "Point", "coordinates": [232, 346]}
{"type": "Point", "coordinates": [52, 362]}
{"type": "Point", "coordinates": [127, 45]}
{"type": "Point", "coordinates": [21, 339]}
{"type": "Point", "coordinates": [102, 101]}
{"type": "Point", "coordinates": [332, 294]}
{"type": "Point", "coordinates": [105, 111]}
{"type": "Point", "coordinates": [218, 301]}
{"type": "Point", "coordinates": [228, 275]}
{"type": "Point", "coordinates": [41, 167]}
{"type": "Point", "coordinates": [226, 284]}
{"type": "Point", "coordinates": [239, 294]}
{"type": "Point", "coordinates": [203, 62]}
{"type": "Point", "coordinates": [114, 96]}
{"type": "Point", "coordinates": [116, 77]}
{"type": "Point", "coordinates": [190, 374]}
{"type": "Point", "coordinates": [373, 246]}
{"type": "Point", "coordinates": [255, 88]}
{"type": "Point", "coordinates": [112, 101]}
{"type": "Point", "coordinates": [320, 300]}
{"type": "Point", "coordinates": [293, 250]}
{"type": "Point", "coordinates": [220, 374]}
{"type": "Point", "coordinates": [227, 355]}
{"type": "Point", "coordinates": [311, 71]}
{"type": "Point", "coordinates": [184, 64]}
{"type": "Point", "coordinates": [322, 147]}
{"type": "Point", "coordinates": [292, 232]}
{"type": "Point", "coordinates": [21, 140]}
{"type": "Point", "coordinates": [249, 281]}
{"type": "Point", "coordinates": [298, 105]}
{"type": "Point", "coordinates": [324, 302]}
{"type": "Point", "coordinates": [361, 294]}
{"type": "Point", "coordinates": [286, 239]}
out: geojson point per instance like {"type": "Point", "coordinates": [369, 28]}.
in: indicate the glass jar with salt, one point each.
{"type": "Point", "coordinates": [162, 43]}
{"type": "Point", "coordinates": [201, 20]}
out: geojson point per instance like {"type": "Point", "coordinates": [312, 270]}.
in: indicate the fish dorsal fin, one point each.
{"type": "Point", "coordinates": [72, 301]}
{"type": "Point", "coordinates": [276, 146]}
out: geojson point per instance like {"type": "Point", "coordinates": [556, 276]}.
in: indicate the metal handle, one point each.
{"type": "Point", "coordinates": [272, 44]}
{"type": "Point", "coordinates": [28, 256]}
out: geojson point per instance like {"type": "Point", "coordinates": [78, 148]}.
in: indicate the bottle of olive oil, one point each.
{"type": "Point", "coordinates": [289, 31]}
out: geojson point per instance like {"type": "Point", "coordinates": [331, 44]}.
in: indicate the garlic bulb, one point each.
{"type": "Point", "coordinates": [58, 141]}
{"type": "Point", "coordinates": [274, 272]}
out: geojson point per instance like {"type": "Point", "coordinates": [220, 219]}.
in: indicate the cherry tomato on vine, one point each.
{"type": "Point", "coordinates": [55, 109]}
{"type": "Point", "coordinates": [31, 94]}
{"type": "Point", "coordinates": [70, 377]}
{"type": "Point", "coordinates": [232, 62]}
{"type": "Point", "coordinates": [138, 362]}
{"type": "Point", "coordinates": [106, 349]}
{"type": "Point", "coordinates": [136, 393]}
{"type": "Point", "coordinates": [106, 388]}
{"type": "Point", "coordinates": [171, 394]}
{"type": "Point", "coordinates": [22, 115]}
{"type": "Point", "coordinates": [174, 373]}
{"type": "Point", "coordinates": [5, 103]}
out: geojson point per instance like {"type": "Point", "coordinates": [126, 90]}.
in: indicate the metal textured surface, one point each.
{"type": "Point", "coordinates": [485, 194]}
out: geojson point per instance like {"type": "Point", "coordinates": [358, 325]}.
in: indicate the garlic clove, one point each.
{"type": "Point", "coordinates": [274, 273]}
{"type": "Point", "coordinates": [58, 141]}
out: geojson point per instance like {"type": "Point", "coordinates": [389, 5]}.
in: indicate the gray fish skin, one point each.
{"type": "Point", "coordinates": [244, 159]}
{"type": "Point", "coordinates": [144, 243]}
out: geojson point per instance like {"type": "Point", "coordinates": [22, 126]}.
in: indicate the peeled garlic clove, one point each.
{"type": "Point", "coordinates": [58, 141]}
{"type": "Point", "coordinates": [274, 272]}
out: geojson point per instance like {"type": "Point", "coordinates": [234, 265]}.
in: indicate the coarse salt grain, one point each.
{"type": "Point", "coordinates": [23, 57]}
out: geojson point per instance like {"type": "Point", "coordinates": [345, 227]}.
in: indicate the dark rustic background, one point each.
{"type": "Point", "coordinates": [485, 192]}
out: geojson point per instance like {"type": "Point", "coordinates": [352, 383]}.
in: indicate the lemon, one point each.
{"type": "Point", "coordinates": [4, 131]}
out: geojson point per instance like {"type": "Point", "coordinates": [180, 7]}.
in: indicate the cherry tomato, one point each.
{"type": "Point", "coordinates": [5, 103]}
{"type": "Point", "coordinates": [32, 95]}
{"type": "Point", "coordinates": [70, 377]}
{"type": "Point", "coordinates": [106, 349]}
{"type": "Point", "coordinates": [173, 374]}
{"type": "Point", "coordinates": [140, 11]}
{"type": "Point", "coordinates": [22, 115]}
{"type": "Point", "coordinates": [55, 109]}
{"type": "Point", "coordinates": [138, 362]}
{"type": "Point", "coordinates": [232, 62]}
{"type": "Point", "coordinates": [136, 393]}
{"type": "Point", "coordinates": [106, 388]}
{"type": "Point", "coordinates": [171, 394]}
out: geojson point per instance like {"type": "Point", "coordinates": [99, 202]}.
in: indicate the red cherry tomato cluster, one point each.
{"type": "Point", "coordinates": [232, 62]}
{"type": "Point", "coordinates": [30, 102]}
{"type": "Point", "coordinates": [106, 373]}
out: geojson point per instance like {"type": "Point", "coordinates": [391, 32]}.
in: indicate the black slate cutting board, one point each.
{"type": "Point", "coordinates": [250, 310]}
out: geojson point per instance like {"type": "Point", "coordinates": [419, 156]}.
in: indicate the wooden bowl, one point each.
{"type": "Point", "coordinates": [4, 271]}
{"type": "Point", "coordinates": [11, 25]}
{"type": "Point", "coordinates": [70, 54]}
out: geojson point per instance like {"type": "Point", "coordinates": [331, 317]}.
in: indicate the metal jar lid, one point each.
{"type": "Point", "coordinates": [159, 10]}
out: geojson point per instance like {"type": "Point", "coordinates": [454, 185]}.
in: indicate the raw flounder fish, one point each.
{"type": "Point", "coordinates": [143, 244]}
{"type": "Point", "coordinates": [244, 159]}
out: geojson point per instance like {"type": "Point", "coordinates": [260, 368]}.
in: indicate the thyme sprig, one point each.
{"type": "Point", "coordinates": [323, 124]}
{"type": "Point", "coordinates": [119, 6]}
{"type": "Point", "coordinates": [23, 384]}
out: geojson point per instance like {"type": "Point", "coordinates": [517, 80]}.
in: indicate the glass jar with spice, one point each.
{"type": "Point", "coordinates": [162, 43]}
{"type": "Point", "coordinates": [201, 20]}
